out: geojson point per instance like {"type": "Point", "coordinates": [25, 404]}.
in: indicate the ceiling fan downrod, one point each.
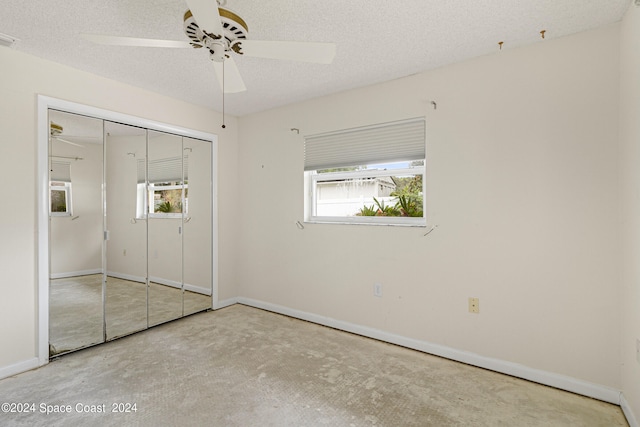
{"type": "Point", "coordinates": [223, 67]}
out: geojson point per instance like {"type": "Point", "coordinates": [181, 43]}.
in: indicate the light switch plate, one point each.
{"type": "Point", "coordinates": [377, 289]}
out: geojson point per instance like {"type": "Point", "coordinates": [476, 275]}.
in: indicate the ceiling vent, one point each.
{"type": "Point", "coordinates": [6, 40]}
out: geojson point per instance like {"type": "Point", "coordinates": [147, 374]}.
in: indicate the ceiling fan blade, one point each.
{"type": "Point", "coordinates": [67, 142]}
{"type": "Point", "coordinates": [320, 53]}
{"type": "Point", "coordinates": [230, 76]}
{"type": "Point", "coordinates": [133, 41]}
{"type": "Point", "coordinates": [207, 15]}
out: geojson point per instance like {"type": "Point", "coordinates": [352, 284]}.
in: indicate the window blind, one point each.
{"type": "Point", "coordinates": [60, 171]}
{"type": "Point", "coordinates": [164, 170]}
{"type": "Point", "coordinates": [381, 143]}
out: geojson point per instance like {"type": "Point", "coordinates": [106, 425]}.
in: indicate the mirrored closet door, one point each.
{"type": "Point", "coordinates": [197, 236]}
{"type": "Point", "coordinates": [130, 229]}
{"type": "Point", "coordinates": [165, 171]}
{"type": "Point", "coordinates": [126, 247]}
{"type": "Point", "coordinates": [76, 240]}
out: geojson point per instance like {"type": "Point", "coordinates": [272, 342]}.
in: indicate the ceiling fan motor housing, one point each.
{"type": "Point", "coordinates": [55, 129]}
{"type": "Point", "coordinates": [233, 28]}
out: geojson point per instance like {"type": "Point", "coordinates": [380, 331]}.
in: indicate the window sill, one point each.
{"type": "Point", "coordinates": [166, 215]}
{"type": "Point", "coordinates": [376, 221]}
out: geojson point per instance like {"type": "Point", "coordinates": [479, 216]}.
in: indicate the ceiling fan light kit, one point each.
{"type": "Point", "coordinates": [233, 28]}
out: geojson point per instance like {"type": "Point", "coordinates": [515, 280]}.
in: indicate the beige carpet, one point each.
{"type": "Point", "coordinates": [241, 366]}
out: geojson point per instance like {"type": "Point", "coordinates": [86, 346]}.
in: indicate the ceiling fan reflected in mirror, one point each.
{"type": "Point", "coordinates": [56, 133]}
{"type": "Point", "coordinates": [223, 33]}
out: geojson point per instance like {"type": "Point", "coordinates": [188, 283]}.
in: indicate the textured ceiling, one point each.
{"type": "Point", "coordinates": [376, 40]}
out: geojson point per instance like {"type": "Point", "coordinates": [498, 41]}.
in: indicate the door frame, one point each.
{"type": "Point", "coordinates": [44, 104]}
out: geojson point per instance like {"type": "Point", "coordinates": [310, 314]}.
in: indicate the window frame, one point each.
{"type": "Point", "coordinates": [66, 187]}
{"type": "Point", "coordinates": [313, 177]}
{"type": "Point", "coordinates": [145, 200]}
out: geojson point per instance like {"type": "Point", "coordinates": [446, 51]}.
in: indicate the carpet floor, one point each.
{"type": "Point", "coordinates": [240, 366]}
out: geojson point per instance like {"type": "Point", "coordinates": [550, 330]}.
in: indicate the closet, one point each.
{"type": "Point", "coordinates": [130, 229]}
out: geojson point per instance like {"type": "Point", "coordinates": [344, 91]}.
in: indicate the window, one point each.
{"type": "Point", "coordinates": [167, 198]}
{"type": "Point", "coordinates": [166, 195]}
{"type": "Point", "coordinates": [60, 188]}
{"type": "Point", "coordinates": [60, 198]}
{"type": "Point", "coordinates": [369, 175]}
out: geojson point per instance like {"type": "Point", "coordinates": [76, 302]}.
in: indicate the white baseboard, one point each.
{"type": "Point", "coordinates": [628, 412]}
{"type": "Point", "coordinates": [17, 368]}
{"type": "Point", "coordinates": [130, 277]}
{"type": "Point", "coordinates": [172, 283]}
{"type": "Point", "coordinates": [197, 289]}
{"type": "Point", "coordinates": [225, 303]}
{"type": "Point", "coordinates": [75, 273]}
{"type": "Point", "coordinates": [562, 382]}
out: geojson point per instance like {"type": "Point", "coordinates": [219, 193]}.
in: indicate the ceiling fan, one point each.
{"type": "Point", "coordinates": [55, 132]}
{"type": "Point", "coordinates": [223, 33]}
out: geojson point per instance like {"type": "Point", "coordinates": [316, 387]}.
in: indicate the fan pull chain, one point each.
{"type": "Point", "coordinates": [223, 67]}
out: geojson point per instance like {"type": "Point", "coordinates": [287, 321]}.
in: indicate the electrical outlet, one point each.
{"type": "Point", "coordinates": [377, 289]}
{"type": "Point", "coordinates": [474, 305]}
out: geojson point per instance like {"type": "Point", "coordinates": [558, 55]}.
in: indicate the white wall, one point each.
{"type": "Point", "coordinates": [630, 185]}
{"type": "Point", "coordinates": [522, 181]}
{"type": "Point", "coordinates": [23, 77]}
